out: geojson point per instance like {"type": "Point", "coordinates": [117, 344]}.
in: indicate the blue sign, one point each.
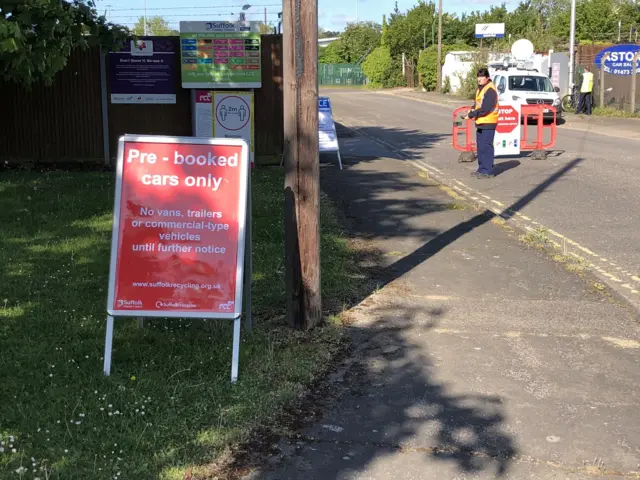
{"type": "Point", "coordinates": [327, 128]}
{"type": "Point", "coordinates": [619, 59]}
{"type": "Point", "coordinates": [323, 103]}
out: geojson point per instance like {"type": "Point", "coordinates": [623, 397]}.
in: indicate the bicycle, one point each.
{"type": "Point", "coordinates": [571, 100]}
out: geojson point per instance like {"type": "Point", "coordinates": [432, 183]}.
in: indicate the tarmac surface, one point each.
{"type": "Point", "coordinates": [590, 207]}
{"type": "Point", "coordinates": [476, 357]}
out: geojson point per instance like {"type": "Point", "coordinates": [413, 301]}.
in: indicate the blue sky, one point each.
{"type": "Point", "coordinates": [333, 14]}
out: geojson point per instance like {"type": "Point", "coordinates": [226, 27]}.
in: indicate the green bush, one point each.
{"type": "Point", "coordinates": [382, 70]}
{"type": "Point", "coordinates": [427, 67]}
{"type": "Point", "coordinates": [377, 64]}
{"type": "Point", "coordinates": [395, 78]}
{"type": "Point", "coordinates": [446, 87]}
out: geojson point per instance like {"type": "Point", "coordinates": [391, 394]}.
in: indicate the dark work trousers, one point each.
{"type": "Point", "coordinates": [484, 140]}
{"type": "Point", "coordinates": [584, 104]}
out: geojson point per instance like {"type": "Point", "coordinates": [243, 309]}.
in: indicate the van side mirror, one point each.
{"type": "Point", "coordinates": [556, 89]}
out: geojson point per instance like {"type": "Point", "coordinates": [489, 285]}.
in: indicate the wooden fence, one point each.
{"type": "Point", "coordinates": [63, 122]}
{"type": "Point", "coordinates": [620, 95]}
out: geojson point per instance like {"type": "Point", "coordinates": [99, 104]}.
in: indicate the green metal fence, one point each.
{"type": "Point", "coordinates": [340, 74]}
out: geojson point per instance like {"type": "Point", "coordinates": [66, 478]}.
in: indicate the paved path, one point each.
{"type": "Point", "coordinates": [591, 207]}
{"type": "Point", "coordinates": [476, 359]}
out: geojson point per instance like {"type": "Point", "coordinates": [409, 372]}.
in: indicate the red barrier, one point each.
{"type": "Point", "coordinates": [528, 112]}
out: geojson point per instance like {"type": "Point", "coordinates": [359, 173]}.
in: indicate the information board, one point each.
{"type": "Point", "coordinates": [507, 138]}
{"type": "Point", "coordinates": [489, 30]}
{"type": "Point", "coordinates": [143, 71]}
{"type": "Point", "coordinates": [178, 231]}
{"type": "Point", "coordinates": [220, 55]}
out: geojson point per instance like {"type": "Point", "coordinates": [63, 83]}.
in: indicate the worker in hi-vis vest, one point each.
{"type": "Point", "coordinates": [485, 112]}
{"type": "Point", "coordinates": [586, 93]}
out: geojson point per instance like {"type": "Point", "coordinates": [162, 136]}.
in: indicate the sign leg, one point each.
{"type": "Point", "coordinates": [248, 260]}
{"type": "Point", "coordinates": [108, 344]}
{"type": "Point", "coordinates": [339, 159]}
{"type": "Point", "coordinates": [235, 359]}
{"type": "Point", "coordinates": [140, 322]}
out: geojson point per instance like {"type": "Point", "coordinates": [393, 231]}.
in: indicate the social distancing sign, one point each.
{"type": "Point", "coordinates": [233, 117]}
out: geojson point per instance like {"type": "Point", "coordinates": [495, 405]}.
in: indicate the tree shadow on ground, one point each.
{"type": "Point", "coordinates": [386, 402]}
{"type": "Point", "coordinates": [386, 396]}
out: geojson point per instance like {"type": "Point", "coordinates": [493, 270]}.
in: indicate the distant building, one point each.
{"type": "Point", "coordinates": [323, 42]}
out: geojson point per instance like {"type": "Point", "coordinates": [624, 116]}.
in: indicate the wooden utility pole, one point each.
{"type": "Point", "coordinates": [439, 70]}
{"type": "Point", "coordinates": [634, 73]}
{"type": "Point", "coordinates": [302, 165]}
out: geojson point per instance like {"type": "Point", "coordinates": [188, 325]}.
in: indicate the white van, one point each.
{"type": "Point", "coordinates": [527, 87]}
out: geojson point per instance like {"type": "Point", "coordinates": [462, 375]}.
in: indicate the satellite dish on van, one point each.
{"type": "Point", "coordinates": [522, 49]}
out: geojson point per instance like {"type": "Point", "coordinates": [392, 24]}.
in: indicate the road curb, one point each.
{"type": "Point", "coordinates": [627, 293]}
{"type": "Point", "coordinates": [590, 128]}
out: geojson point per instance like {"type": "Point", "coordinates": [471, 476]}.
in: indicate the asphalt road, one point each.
{"type": "Point", "coordinates": [586, 192]}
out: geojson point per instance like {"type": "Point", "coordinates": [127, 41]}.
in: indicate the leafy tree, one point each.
{"type": "Point", "coordinates": [38, 36]}
{"type": "Point", "coordinates": [406, 33]}
{"type": "Point", "coordinates": [156, 26]}
{"type": "Point", "coordinates": [385, 31]}
{"type": "Point", "coordinates": [265, 28]}
{"type": "Point", "coordinates": [359, 39]}
{"type": "Point", "coordinates": [322, 33]}
{"type": "Point", "coordinates": [332, 53]}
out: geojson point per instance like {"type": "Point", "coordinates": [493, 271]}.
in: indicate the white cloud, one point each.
{"type": "Point", "coordinates": [340, 20]}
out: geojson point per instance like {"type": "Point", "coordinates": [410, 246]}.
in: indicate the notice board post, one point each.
{"type": "Point", "coordinates": [178, 246]}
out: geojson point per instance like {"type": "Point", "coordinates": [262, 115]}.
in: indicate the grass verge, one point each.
{"type": "Point", "coordinates": [614, 113]}
{"type": "Point", "coordinates": [168, 405]}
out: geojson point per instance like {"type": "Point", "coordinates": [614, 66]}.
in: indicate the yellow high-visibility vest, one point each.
{"type": "Point", "coordinates": [491, 117]}
{"type": "Point", "coordinates": [587, 82]}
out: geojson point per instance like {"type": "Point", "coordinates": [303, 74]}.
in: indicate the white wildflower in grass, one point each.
{"type": "Point", "coordinates": [21, 470]}
{"type": "Point", "coordinates": [1, 449]}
